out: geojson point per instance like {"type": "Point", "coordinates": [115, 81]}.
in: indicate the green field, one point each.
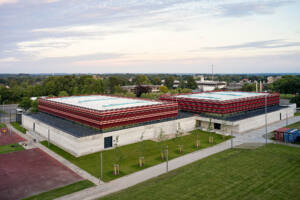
{"type": "Point", "coordinates": [18, 127]}
{"type": "Point", "coordinates": [10, 148]}
{"type": "Point", "coordinates": [295, 125]}
{"type": "Point", "coordinates": [269, 172]}
{"type": "Point", "coordinates": [297, 114]}
{"type": "Point", "coordinates": [62, 191]}
{"type": "Point", "coordinates": [131, 153]}
{"type": "Point", "coordinates": [2, 125]}
{"type": "Point", "coordinates": [286, 96]}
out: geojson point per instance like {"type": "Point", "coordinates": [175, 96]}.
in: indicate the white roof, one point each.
{"type": "Point", "coordinates": [221, 96]}
{"type": "Point", "coordinates": [101, 103]}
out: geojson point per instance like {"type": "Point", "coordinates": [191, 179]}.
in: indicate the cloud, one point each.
{"type": "Point", "coordinates": [9, 59]}
{"type": "Point", "coordinates": [2, 2]}
{"type": "Point", "coordinates": [241, 9]}
{"type": "Point", "coordinates": [267, 44]}
{"type": "Point", "coordinates": [7, 1]}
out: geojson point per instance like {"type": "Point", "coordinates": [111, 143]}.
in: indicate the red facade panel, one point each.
{"type": "Point", "coordinates": [222, 107]}
{"type": "Point", "coordinates": [109, 118]}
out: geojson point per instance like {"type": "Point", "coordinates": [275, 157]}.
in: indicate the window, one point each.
{"type": "Point", "coordinates": [108, 142]}
{"type": "Point", "coordinates": [198, 124]}
{"type": "Point", "coordinates": [217, 126]}
{"type": "Point", "coordinates": [280, 116]}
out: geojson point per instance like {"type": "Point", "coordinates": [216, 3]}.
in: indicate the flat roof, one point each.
{"type": "Point", "coordinates": [222, 95]}
{"type": "Point", "coordinates": [102, 103]}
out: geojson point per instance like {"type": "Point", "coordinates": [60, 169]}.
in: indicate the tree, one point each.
{"type": "Point", "coordinates": [196, 134]}
{"type": "Point", "coordinates": [142, 150]}
{"type": "Point", "coordinates": [163, 89]}
{"type": "Point", "coordinates": [119, 90]}
{"type": "Point", "coordinates": [296, 100]}
{"type": "Point", "coordinates": [186, 90]}
{"type": "Point", "coordinates": [156, 81]}
{"type": "Point", "coordinates": [169, 82]}
{"type": "Point", "coordinates": [191, 83]}
{"type": "Point", "coordinates": [25, 103]}
{"type": "Point", "coordinates": [209, 128]}
{"type": "Point", "coordinates": [34, 106]}
{"type": "Point", "coordinates": [112, 82]}
{"type": "Point", "coordinates": [141, 89]}
{"type": "Point", "coordinates": [63, 94]}
{"type": "Point", "coordinates": [161, 139]}
{"type": "Point", "coordinates": [118, 156]}
{"type": "Point", "coordinates": [182, 84]}
{"type": "Point", "coordinates": [287, 85]}
{"type": "Point", "coordinates": [249, 87]}
{"type": "Point", "coordinates": [142, 79]}
{"type": "Point", "coordinates": [178, 138]}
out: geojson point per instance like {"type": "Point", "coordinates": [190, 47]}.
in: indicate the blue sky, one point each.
{"type": "Point", "coordinates": [136, 36]}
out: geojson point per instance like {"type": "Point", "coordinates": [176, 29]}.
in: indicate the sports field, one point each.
{"type": "Point", "coordinates": [269, 172]}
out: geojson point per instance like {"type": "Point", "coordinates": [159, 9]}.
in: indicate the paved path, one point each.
{"type": "Point", "coordinates": [65, 162]}
{"type": "Point", "coordinates": [255, 136]}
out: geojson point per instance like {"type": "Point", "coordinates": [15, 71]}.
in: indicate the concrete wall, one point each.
{"type": "Point", "coordinates": [248, 124]}
{"type": "Point", "coordinates": [90, 144]}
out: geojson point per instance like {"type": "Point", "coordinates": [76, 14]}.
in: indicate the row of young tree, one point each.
{"type": "Point", "coordinates": [162, 145]}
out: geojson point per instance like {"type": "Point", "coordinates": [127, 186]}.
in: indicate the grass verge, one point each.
{"type": "Point", "coordinates": [10, 148]}
{"type": "Point", "coordinates": [52, 194]}
{"type": "Point", "coordinates": [2, 125]}
{"type": "Point", "coordinates": [19, 127]}
{"type": "Point", "coordinates": [130, 154]}
{"type": "Point", "coordinates": [286, 96]}
{"type": "Point", "coordinates": [269, 172]}
{"type": "Point", "coordinates": [295, 125]}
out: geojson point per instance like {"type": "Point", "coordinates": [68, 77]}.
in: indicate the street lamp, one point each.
{"type": "Point", "coordinates": [266, 122]}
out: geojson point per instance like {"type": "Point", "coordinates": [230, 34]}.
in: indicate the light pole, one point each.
{"type": "Point", "coordinates": [266, 118]}
{"type": "Point", "coordinates": [48, 138]}
{"type": "Point", "coordinates": [167, 161]}
{"type": "Point", "coordinates": [101, 165]}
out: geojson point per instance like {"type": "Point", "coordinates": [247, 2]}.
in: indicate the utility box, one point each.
{"type": "Point", "coordinates": [19, 113]}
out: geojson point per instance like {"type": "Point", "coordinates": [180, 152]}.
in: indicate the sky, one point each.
{"type": "Point", "coordinates": [149, 36]}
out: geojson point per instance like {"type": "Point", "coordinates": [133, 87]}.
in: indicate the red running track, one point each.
{"type": "Point", "coordinates": [29, 172]}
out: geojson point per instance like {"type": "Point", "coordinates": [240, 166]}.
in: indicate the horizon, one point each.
{"type": "Point", "coordinates": [149, 37]}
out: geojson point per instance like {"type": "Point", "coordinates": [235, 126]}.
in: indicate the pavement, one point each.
{"type": "Point", "coordinates": [254, 136]}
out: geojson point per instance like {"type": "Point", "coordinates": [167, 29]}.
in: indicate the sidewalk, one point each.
{"type": "Point", "coordinates": [65, 162]}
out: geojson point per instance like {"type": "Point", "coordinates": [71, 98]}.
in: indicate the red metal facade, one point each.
{"type": "Point", "coordinates": [222, 107]}
{"type": "Point", "coordinates": [109, 118]}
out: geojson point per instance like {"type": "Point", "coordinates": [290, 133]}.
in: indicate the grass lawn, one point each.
{"type": "Point", "coordinates": [18, 127]}
{"type": "Point", "coordinates": [295, 125]}
{"type": "Point", "coordinates": [286, 96]}
{"type": "Point", "coordinates": [3, 112]}
{"type": "Point", "coordinates": [131, 153]}
{"type": "Point", "coordinates": [269, 172]}
{"type": "Point", "coordinates": [297, 114]}
{"type": "Point", "coordinates": [62, 191]}
{"type": "Point", "coordinates": [10, 148]}
{"type": "Point", "coordinates": [2, 125]}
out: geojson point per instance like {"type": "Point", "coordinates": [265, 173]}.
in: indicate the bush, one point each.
{"type": "Point", "coordinates": [296, 100]}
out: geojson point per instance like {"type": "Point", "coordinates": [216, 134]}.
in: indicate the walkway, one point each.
{"type": "Point", "coordinates": [141, 176]}
{"type": "Point", "coordinates": [65, 162]}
